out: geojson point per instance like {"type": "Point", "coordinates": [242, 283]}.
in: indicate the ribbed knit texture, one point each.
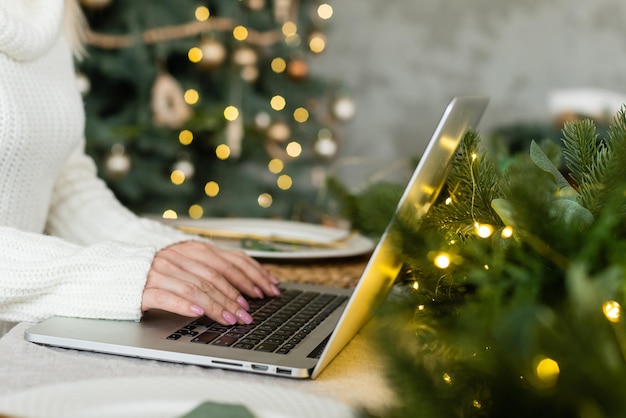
{"type": "Point", "coordinates": [67, 247]}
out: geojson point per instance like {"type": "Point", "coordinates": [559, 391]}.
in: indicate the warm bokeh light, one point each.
{"type": "Point", "coordinates": [202, 13]}
{"type": "Point", "coordinates": [169, 214]}
{"type": "Point", "coordinates": [278, 65]}
{"type": "Point", "coordinates": [196, 212]}
{"type": "Point", "coordinates": [289, 29]}
{"type": "Point", "coordinates": [293, 149]}
{"type": "Point", "coordinates": [185, 137]}
{"type": "Point", "coordinates": [231, 113]}
{"type": "Point", "coordinates": [278, 102]}
{"type": "Point", "coordinates": [191, 96]}
{"type": "Point", "coordinates": [483, 230]}
{"type": "Point", "coordinates": [447, 378]}
{"type": "Point", "coordinates": [507, 232]}
{"type": "Point", "coordinates": [317, 43]}
{"type": "Point", "coordinates": [177, 177]}
{"type": "Point", "coordinates": [265, 200]}
{"type": "Point", "coordinates": [301, 115]}
{"type": "Point", "coordinates": [325, 11]}
{"type": "Point", "coordinates": [612, 310]}
{"type": "Point", "coordinates": [284, 182]}
{"type": "Point", "coordinates": [547, 370]}
{"type": "Point", "coordinates": [275, 166]}
{"type": "Point", "coordinates": [211, 189]}
{"type": "Point", "coordinates": [442, 260]}
{"type": "Point", "coordinates": [195, 54]}
{"type": "Point", "coordinates": [240, 33]}
{"type": "Point", "coordinates": [222, 151]}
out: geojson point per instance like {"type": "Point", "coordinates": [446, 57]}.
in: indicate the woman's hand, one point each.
{"type": "Point", "coordinates": [195, 278]}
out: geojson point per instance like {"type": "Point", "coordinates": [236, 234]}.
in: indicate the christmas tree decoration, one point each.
{"type": "Point", "coordinates": [510, 301]}
{"type": "Point", "coordinates": [227, 85]}
{"type": "Point", "coordinates": [343, 108]}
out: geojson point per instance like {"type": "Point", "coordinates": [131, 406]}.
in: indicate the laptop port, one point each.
{"type": "Point", "coordinates": [259, 367]}
{"type": "Point", "coordinates": [283, 371]}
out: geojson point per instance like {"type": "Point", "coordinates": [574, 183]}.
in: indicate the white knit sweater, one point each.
{"type": "Point", "coordinates": [67, 247]}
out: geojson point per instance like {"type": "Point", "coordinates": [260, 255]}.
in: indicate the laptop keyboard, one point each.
{"type": "Point", "coordinates": [279, 325]}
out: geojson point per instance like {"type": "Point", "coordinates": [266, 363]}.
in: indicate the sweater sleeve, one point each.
{"type": "Point", "coordinates": [44, 276]}
{"type": "Point", "coordinates": [85, 211]}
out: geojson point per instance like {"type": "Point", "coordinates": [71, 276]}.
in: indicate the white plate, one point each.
{"type": "Point", "coordinates": [355, 245]}
{"type": "Point", "coordinates": [164, 397]}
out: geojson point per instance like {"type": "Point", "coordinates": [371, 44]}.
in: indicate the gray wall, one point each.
{"type": "Point", "coordinates": [403, 61]}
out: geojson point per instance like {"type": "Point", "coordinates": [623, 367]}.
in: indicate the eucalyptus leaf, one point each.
{"type": "Point", "coordinates": [542, 161]}
{"type": "Point", "coordinates": [571, 212]}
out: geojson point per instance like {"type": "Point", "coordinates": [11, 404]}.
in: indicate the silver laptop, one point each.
{"type": "Point", "coordinates": [314, 322]}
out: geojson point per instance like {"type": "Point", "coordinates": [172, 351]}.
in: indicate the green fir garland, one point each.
{"type": "Point", "coordinates": [509, 304]}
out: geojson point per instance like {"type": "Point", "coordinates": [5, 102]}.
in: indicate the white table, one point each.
{"type": "Point", "coordinates": [354, 377]}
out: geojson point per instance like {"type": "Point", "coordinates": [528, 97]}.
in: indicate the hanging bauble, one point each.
{"type": "Point", "coordinates": [234, 136]}
{"type": "Point", "coordinates": [250, 73]}
{"type": "Point", "coordinates": [326, 146]}
{"type": "Point", "coordinates": [245, 56]}
{"type": "Point", "coordinates": [255, 5]}
{"type": "Point", "coordinates": [168, 104]}
{"type": "Point", "coordinates": [343, 108]}
{"type": "Point", "coordinates": [213, 54]}
{"type": "Point", "coordinates": [297, 69]}
{"type": "Point", "coordinates": [117, 164]}
{"type": "Point", "coordinates": [83, 82]}
{"type": "Point", "coordinates": [185, 166]}
{"type": "Point", "coordinates": [278, 131]}
{"type": "Point", "coordinates": [95, 4]}
{"type": "Point", "coordinates": [262, 120]}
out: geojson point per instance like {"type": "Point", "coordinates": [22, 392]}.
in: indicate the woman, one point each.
{"type": "Point", "coordinates": [67, 246]}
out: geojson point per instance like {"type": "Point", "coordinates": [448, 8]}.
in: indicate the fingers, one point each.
{"type": "Point", "coordinates": [188, 288]}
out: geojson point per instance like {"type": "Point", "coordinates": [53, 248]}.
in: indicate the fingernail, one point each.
{"type": "Point", "coordinates": [243, 303]}
{"type": "Point", "coordinates": [258, 292]}
{"type": "Point", "coordinates": [196, 309]}
{"type": "Point", "coordinates": [244, 316]}
{"type": "Point", "coordinates": [274, 279]}
{"type": "Point", "coordinates": [275, 290]}
{"type": "Point", "coordinates": [230, 318]}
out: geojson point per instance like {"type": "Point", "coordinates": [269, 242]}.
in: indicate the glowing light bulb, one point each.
{"type": "Point", "coordinates": [169, 214]}
{"type": "Point", "coordinates": [293, 149]}
{"type": "Point", "coordinates": [222, 152]}
{"type": "Point", "coordinates": [325, 11]}
{"type": "Point", "coordinates": [195, 211]}
{"type": "Point", "coordinates": [211, 189]}
{"type": "Point", "coordinates": [442, 260]}
{"type": "Point", "coordinates": [185, 137]}
{"type": "Point", "coordinates": [231, 113]}
{"type": "Point", "coordinates": [447, 378]}
{"type": "Point", "coordinates": [278, 102]}
{"type": "Point", "coordinates": [507, 232]}
{"type": "Point", "coordinates": [265, 200]}
{"type": "Point", "coordinates": [547, 370]}
{"type": "Point", "coordinates": [191, 96]}
{"type": "Point", "coordinates": [415, 285]}
{"type": "Point", "coordinates": [483, 230]}
{"type": "Point", "coordinates": [177, 177]}
{"type": "Point", "coordinates": [612, 310]}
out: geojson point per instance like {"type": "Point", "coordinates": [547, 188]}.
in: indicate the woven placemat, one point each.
{"type": "Point", "coordinates": [341, 273]}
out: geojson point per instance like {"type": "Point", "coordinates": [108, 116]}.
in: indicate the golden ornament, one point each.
{"type": "Point", "coordinates": [245, 56]}
{"type": "Point", "coordinates": [117, 164]}
{"type": "Point", "coordinates": [168, 104]}
{"type": "Point", "coordinates": [278, 132]}
{"type": "Point", "coordinates": [213, 54]}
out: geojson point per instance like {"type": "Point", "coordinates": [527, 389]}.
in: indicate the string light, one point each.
{"type": "Point", "coordinates": [231, 113]}
{"type": "Point", "coordinates": [265, 200]}
{"type": "Point", "coordinates": [275, 166]}
{"type": "Point", "coordinates": [447, 378]}
{"type": "Point", "coordinates": [442, 260]}
{"type": "Point", "coordinates": [612, 310]}
{"type": "Point", "coordinates": [191, 96]}
{"type": "Point", "coordinates": [195, 211]}
{"type": "Point", "coordinates": [185, 137]}
{"type": "Point", "coordinates": [415, 285]}
{"type": "Point", "coordinates": [325, 11]}
{"type": "Point", "coordinates": [177, 177]}
{"type": "Point", "coordinates": [507, 232]}
{"type": "Point", "coordinates": [547, 370]}
{"type": "Point", "coordinates": [195, 54]}
{"type": "Point", "coordinates": [483, 230]}
{"type": "Point", "coordinates": [278, 65]}
{"type": "Point", "coordinates": [169, 214]}
{"type": "Point", "coordinates": [278, 102]}
{"type": "Point", "coordinates": [293, 149]}
{"type": "Point", "coordinates": [317, 43]}
{"type": "Point", "coordinates": [222, 152]}
{"type": "Point", "coordinates": [301, 115]}
{"type": "Point", "coordinates": [211, 189]}
{"type": "Point", "coordinates": [202, 13]}
{"type": "Point", "coordinates": [240, 33]}
{"type": "Point", "coordinates": [284, 182]}
{"type": "Point", "coordinates": [476, 404]}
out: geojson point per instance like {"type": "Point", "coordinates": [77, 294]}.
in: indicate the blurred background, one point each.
{"type": "Point", "coordinates": [248, 107]}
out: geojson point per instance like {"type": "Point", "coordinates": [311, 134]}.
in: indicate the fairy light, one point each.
{"type": "Point", "coordinates": [612, 310]}
{"type": "Point", "coordinates": [547, 370]}
{"type": "Point", "coordinates": [325, 11]}
{"type": "Point", "coordinates": [293, 149]}
{"type": "Point", "coordinates": [476, 404]}
{"type": "Point", "coordinates": [195, 54]}
{"type": "Point", "coordinates": [191, 96]}
{"type": "Point", "coordinates": [507, 232]}
{"type": "Point", "coordinates": [169, 214]}
{"type": "Point", "coordinates": [448, 201]}
{"type": "Point", "coordinates": [284, 182]}
{"type": "Point", "coordinates": [483, 230]}
{"type": "Point", "coordinates": [317, 43]}
{"type": "Point", "coordinates": [222, 152]}
{"type": "Point", "coordinates": [301, 115]}
{"type": "Point", "coordinates": [240, 33]}
{"type": "Point", "coordinates": [231, 113]}
{"type": "Point", "coordinates": [211, 189]}
{"type": "Point", "coordinates": [265, 200]}
{"type": "Point", "coordinates": [289, 29]}
{"type": "Point", "coordinates": [185, 137]}
{"type": "Point", "coordinates": [278, 102]}
{"type": "Point", "coordinates": [195, 211]}
{"type": "Point", "coordinates": [420, 307]}
{"type": "Point", "coordinates": [177, 177]}
{"type": "Point", "coordinates": [275, 166]}
{"type": "Point", "coordinates": [202, 13]}
{"type": "Point", "coordinates": [415, 285]}
{"type": "Point", "coordinates": [442, 260]}
{"type": "Point", "coordinates": [447, 378]}
{"type": "Point", "coordinates": [278, 65]}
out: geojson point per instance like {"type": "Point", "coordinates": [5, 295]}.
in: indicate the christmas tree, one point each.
{"type": "Point", "coordinates": [207, 108]}
{"type": "Point", "coordinates": [511, 296]}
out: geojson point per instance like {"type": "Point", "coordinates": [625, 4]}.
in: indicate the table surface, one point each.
{"type": "Point", "coordinates": [354, 377]}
